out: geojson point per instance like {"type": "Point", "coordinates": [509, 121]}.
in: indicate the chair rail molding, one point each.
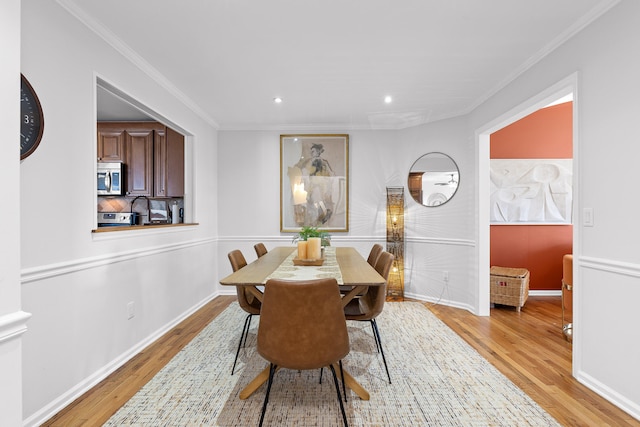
{"type": "Point", "coordinates": [440, 241]}
{"type": "Point", "coordinates": [13, 325]}
{"type": "Point", "coordinates": [611, 266]}
{"type": "Point", "coordinates": [52, 270]}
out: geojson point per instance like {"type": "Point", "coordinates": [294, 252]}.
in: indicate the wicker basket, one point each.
{"type": "Point", "coordinates": [509, 286]}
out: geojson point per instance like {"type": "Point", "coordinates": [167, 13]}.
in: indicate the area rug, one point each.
{"type": "Point", "coordinates": [437, 380]}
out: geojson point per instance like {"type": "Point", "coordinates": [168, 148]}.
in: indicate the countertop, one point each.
{"type": "Point", "coordinates": [138, 227]}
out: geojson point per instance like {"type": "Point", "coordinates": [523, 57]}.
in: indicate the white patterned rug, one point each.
{"type": "Point", "coordinates": [438, 380]}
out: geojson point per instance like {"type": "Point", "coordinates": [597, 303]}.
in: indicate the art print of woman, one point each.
{"type": "Point", "coordinates": [317, 180]}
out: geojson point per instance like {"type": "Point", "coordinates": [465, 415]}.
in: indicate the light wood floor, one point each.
{"type": "Point", "coordinates": [527, 347]}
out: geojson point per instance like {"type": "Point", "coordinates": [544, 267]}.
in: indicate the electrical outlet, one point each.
{"type": "Point", "coordinates": [130, 310]}
{"type": "Point", "coordinates": [445, 276]}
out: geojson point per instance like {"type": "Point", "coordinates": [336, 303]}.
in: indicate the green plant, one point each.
{"type": "Point", "coordinates": [308, 231]}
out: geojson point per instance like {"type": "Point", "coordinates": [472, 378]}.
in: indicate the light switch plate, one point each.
{"type": "Point", "coordinates": [587, 217]}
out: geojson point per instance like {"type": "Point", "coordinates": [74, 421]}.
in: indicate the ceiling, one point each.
{"type": "Point", "coordinates": [332, 61]}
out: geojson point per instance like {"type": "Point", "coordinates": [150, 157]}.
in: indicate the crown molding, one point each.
{"type": "Point", "coordinates": [125, 50]}
{"type": "Point", "coordinates": [600, 9]}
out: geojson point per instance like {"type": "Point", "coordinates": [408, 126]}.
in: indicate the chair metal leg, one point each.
{"type": "Point", "coordinates": [245, 330]}
{"type": "Point", "coordinates": [344, 387]}
{"type": "Point", "coordinates": [272, 372]}
{"type": "Point", "coordinates": [377, 334]}
{"type": "Point", "coordinates": [335, 380]}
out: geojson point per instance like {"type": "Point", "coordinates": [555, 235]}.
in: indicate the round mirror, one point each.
{"type": "Point", "coordinates": [433, 179]}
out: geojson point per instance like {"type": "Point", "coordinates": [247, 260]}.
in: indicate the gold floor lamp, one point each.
{"type": "Point", "coordinates": [395, 242]}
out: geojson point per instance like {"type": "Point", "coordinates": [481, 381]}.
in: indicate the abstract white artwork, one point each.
{"type": "Point", "coordinates": [531, 191]}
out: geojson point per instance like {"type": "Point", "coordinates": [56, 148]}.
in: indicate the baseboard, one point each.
{"type": "Point", "coordinates": [545, 293]}
{"type": "Point", "coordinates": [612, 396]}
{"type": "Point", "coordinates": [439, 301]}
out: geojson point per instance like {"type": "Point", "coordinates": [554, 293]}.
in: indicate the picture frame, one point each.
{"type": "Point", "coordinates": [314, 182]}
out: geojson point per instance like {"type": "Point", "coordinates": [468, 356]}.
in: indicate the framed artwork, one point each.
{"type": "Point", "coordinates": [531, 191]}
{"type": "Point", "coordinates": [314, 182]}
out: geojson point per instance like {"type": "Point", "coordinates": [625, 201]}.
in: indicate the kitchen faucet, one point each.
{"type": "Point", "coordinates": [148, 207]}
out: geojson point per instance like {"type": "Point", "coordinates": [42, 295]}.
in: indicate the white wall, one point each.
{"type": "Point", "coordinates": [250, 190]}
{"type": "Point", "coordinates": [442, 238]}
{"type": "Point", "coordinates": [12, 319]}
{"type": "Point", "coordinates": [604, 56]}
{"type": "Point", "coordinates": [77, 284]}
{"type": "Point", "coordinates": [438, 239]}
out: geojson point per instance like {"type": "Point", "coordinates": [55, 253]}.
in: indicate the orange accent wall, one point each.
{"type": "Point", "coordinates": [545, 134]}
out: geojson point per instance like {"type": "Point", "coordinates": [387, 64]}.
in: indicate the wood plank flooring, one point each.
{"type": "Point", "coordinates": [527, 347]}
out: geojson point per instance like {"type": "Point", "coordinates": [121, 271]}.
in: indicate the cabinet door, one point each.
{"type": "Point", "coordinates": [111, 141]}
{"type": "Point", "coordinates": [169, 164]}
{"type": "Point", "coordinates": [139, 149]}
{"type": "Point", "coordinates": [175, 164]}
{"type": "Point", "coordinates": [160, 166]}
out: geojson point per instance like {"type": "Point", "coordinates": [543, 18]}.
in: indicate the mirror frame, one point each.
{"type": "Point", "coordinates": [412, 187]}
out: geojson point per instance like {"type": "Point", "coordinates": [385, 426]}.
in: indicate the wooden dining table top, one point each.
{"type": "Point", "coordinates": [355, 270]}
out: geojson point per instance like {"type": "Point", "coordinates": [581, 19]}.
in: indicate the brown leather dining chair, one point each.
{"type": "Point", "coordinates": [260, 249]}
{"type": "Point", "coordinates": [302, 327]}
{"type": "Point", "coordinates": [249, 303]}
{"type": "Point", "coordinates": [370, 305]}
{"type": "Point", "coordinates": [373, 255]}
{"type": "Point", "coordinates": [376, 249]}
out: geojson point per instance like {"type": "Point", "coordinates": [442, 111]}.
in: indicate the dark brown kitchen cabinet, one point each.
{"type": "Point", "coordinates": [153, 155]}
{"type": "Point", "coordinates": [110, 143]}
{"type": "Point", "coordinates": [169, 164]}
{"type": "Point", "coordinates": [139, 163]}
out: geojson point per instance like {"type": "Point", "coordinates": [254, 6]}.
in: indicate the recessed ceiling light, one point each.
{"type": "Point", "coordinates": [387, 99]}
{"type": "Point", "coordinates": [277, 100]}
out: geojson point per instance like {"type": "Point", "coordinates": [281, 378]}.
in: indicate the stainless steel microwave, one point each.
{"type": "Point", "coordinates": [110, 179]}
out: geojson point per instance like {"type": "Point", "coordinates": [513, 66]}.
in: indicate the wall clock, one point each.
{"type": "Point", "coordinates": [31, 119]}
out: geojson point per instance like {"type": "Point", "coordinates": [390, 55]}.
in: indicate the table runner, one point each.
{"type": "Point", "coordinates": [329, 269]}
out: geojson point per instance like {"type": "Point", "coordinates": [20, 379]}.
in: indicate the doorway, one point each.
{"type": "Point", "coordinates": [563, 88]}
{"type": "Point", "coordinates": [531, 178]}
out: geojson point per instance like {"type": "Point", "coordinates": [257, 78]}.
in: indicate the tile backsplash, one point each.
{"type": "Point", "coordinates": [123, 204]}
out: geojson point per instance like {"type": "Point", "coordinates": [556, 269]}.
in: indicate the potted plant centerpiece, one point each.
{"type": "Point", "coordinates": [308, 232]}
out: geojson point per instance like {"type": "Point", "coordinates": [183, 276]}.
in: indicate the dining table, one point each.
{"type": "Point", "coordinates": [352, 272]}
